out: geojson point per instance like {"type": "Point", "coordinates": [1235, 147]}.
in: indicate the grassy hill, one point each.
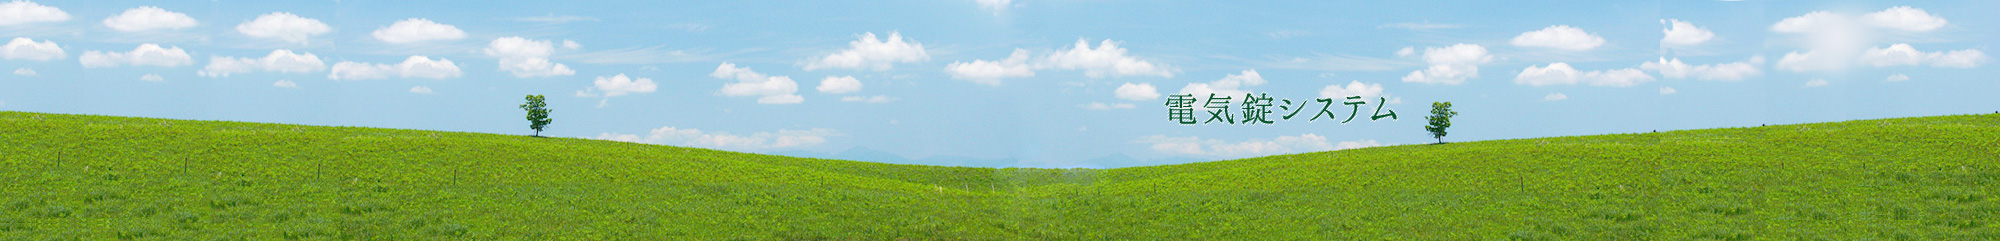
{"type": "Point", "coordinates": [77, 177]}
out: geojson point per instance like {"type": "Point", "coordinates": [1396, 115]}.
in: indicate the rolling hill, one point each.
{"type": "Point", "coordinates": [79, 177]}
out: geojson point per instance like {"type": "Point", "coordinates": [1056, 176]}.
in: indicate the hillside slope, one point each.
{"type": "Point", "coordinates": [95, 177]}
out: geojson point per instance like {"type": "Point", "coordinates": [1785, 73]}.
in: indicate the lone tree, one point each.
{"type": "Point", "coordinates": [538, 113]}
{"type": "Point", "coordinates": [1440, 118]}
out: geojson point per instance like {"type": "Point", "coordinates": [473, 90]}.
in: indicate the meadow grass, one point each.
{"type": "Point", "coordinates": [79, 177]}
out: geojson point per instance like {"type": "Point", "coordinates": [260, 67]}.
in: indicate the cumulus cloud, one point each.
{"type": "Point", "coordinates": [1904, 54]}
{"type": "Point", "coordinates": [1560, 73]}
{"type": "Point", "coordinates": [773, 89]}
{"type": "Point", "coordinates": [152, 78]}
{"type": "Point", "coordinates": [1140, 91]}
{"type": "Point", "coordinates": [1668, 91]}
{"type": "Point", "coordinates": [1555, 97]}
{"type": "Point", "coordinates": [1675, 69]}
{"type": "Point", "coordinates": [1106, 60]}
{"type": "Point", "coordinates": [1450, 65]}
{"type": "Point", "coordinates": [868, 99]}
{"type": "Point", "coordinates": [24, 12]}
{"type": "Point", "coordinates": [1231, 85]}
{"type": "Point", "coordinates": [990, 72]}
{"type": "Point", "coordinates": [1905, 18]}
{"type": "Point", "coordinates": [1561, 37]}
{"type": "Point", "coordinates": [285, 84]}
{"type": "Point", "coordinates": [525, 58]}
{"type": "Point", "coordinates": [24, 72]}
{"type": "Point", "coordinates": [781, 139]}
{"type": "Point", "coordinates": [149, 18]}
{"type": "Point", "coordinates": [839, 85]}
{"type": "Point", "coordinates": [618, 85]}
{"type": "Point", "coordinates": [1898, 78]}
{"type": "Point", "coordinates": [282, 61]}
{"type": "Point", "coordinates": [871, 53]}
{"type": "Point", "coordinates": [1196, 146]}
{"type": "Point", "coordinates": [420, 90]}
{"type": "Point", "coordinates": [145, 54]}
{"type": "Point", "coordinates": [283, 26]}
{"type": "Point", "coordinates": [416, 66]}
{"type": "Point", "coordinates": [1833, 41]}
{"type": "Point", "coordinates": [1683, 33]}
{"type": "Point", "coordinates": [417, 30]}
{"type": "Point", "coordinates": [1353, 88]}
{"type": "Point", "coordinates": [28, 49]}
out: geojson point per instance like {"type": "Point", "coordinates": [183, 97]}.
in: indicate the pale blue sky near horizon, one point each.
{"type": "Point", "coordinates": [947, 83]}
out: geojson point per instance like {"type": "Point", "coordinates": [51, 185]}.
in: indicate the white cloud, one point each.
{"type": "Point", "coordinates": [145, 54]}
{"type": "Point", "coordinates": [1903, 54]}
{"type": "Point", "coordinates": [417, 30]}
{"type": "Point", "coordinates": [1560, 73]}
{"type": "Point", "coordinates": [1406, 51]}
{"type": "Point", "coordinates": [416, 66]}
{"type": "Point", "coordinates": [282, 61]}
{"type": "Point", "coordinates": [871, 53]}
{"type": "Point", "coordinates": [283, 26]}
{"type": "Point", "coordinates": [420, 90]}
{"type": "Point", "coordinates": [1833, 41]}
{"type": "Point", "coordinates": [1898, 78]}
{"type": "Point", "coordinates": [618, 85]}
{"type": "Point", "coordinates": [24, 72]}
{"type": "Point", "coordinates": [149, 18]}
{"type": "Point", "coordinates": [1106, 106]}
{"type": "Point", "coordinates": [1450, 65]}
{"type": "Point", "coordinates": [1353, 88]}
{"type": "Point", "coordinates": [1668, 91]}
{"type": "Point", "coordinates": [1559, 37]}
{"type": "Point", "coordinates": [1812, 61]}
{"type": "Point", "coordinates": [869, 99]}
{"type": "Point", "coordinates": [990, 72]}
{"type": "Point", "coordinates": [28, 49]}
{"type": "Point", "coordinates": [23, 12]}
{"type": "Point", "coordinates": [1231, 85]}
{"type": "Point", "coordinates": [1808, 22]}
{"type": "Point", "coordinates": [1141, 91]}
{"type": "Point", "coordinates": [781, 139]}
{"type": "Point", "coordinates": [571, 44]}
{"type": "Point", "coordinates": [285, 84]}
{"type": "Point", "coordinates": [152, 78]}
{"type": "Point", "coordinates": [1555, 97]}
{"type": "Point", "coordinates": [996, 6]}
{"type": "Point", "coordinates": [1816, 83]}
{"type": "Point", "coordinates": [774, 89]}
{"type": "Point", "coordinates": [1106, 60]}
{"type": "Point", "coordinates": [839, 85]}
{"type": "Point", "coordinates": [525, 58]}
{"type": "Point", "coordinates": [1675, 69]}
{"type": "Point", "coordinates": [1683, 33]}
{"type": "Point", "coordinates": [1196, 146]}
{"type": "Point", "coordinates": [1905, 18]}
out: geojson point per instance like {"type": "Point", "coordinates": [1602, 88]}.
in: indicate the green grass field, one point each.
{"type": "Point", "coordinates": [76, 177]}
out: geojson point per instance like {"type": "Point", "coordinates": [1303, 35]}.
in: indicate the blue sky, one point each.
{"type": "Point", "coordinates": [1000, 83]}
